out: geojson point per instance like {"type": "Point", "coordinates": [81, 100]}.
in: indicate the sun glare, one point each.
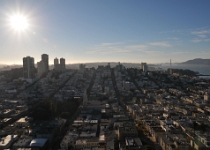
{"type": "Point", "coordinates": [18, 22]}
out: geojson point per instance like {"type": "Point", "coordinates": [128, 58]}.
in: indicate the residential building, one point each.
{"type": "Point", "coordinates": [7, 141]}
{"type": "Point", "coordinates": [127, 129]}
{"type": "Point", "coordinates": [41, 68]}
{"type": "Point", "coordinates": [28, 67]}
{"type": "Point", "coordinates": [144, 67]}
{"type": "Point", "coordinates": [45, 59]}
{"type": "Point", "coordinates": [127, 86]}
{"type": "Point", "coordinates": [82, 67]}
{"type": "Point", "coordinates": [62, 64]}
{"type": "Point", "coordinates": [207, 96]}
{"type": "Point", "coordinates": [56, 64]}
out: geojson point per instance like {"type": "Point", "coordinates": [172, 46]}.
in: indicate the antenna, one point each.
{"type": "Point", "coordinates": [170, 62]}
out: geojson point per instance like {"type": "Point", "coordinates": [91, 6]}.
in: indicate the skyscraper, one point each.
{"type": "Point", "coordinates": [41, 68]}
{"type": "Point", "coordinates": [45, 59]}
{"type": "Point", "coordinates": [82, 67]}
{"type": "Point", "coordinates": [28, 67]}
{"type": "Point", "coordinates": [56, 64]}
{"type": "Point", "coordinates": [43, 65]}
{"type": "Point", "coordinates": [62, 64]}
{"type": "Point", "coordinates": [144, 67]}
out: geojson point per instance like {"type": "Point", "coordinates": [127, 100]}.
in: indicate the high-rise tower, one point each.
{"type": "Point", "coordinates": [62, 64]}
{"type": "Point", "coordinates": [81, 67]}
{"type": "Point", "coordinates": [56, 64]}
{"type": "Point", "coordinates": [41, 68]}
{"type": "Point", "coordinates": [45, 59]}
{"type": "Point", "coordinates": [144, 67]}
{"type": "Point", "coordinates": [43, 65]}
{"type": "Point", "coordinates": [28, 67]}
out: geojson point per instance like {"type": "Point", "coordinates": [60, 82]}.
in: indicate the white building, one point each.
{"type": "Point", "coordinates": [23, 122]}
{"type": "Point", "coordinates": [141, 66]}
{"type": "Point", "coordinates": [145, 67]}
{"type": "Point", "coordinates": [206, 96]}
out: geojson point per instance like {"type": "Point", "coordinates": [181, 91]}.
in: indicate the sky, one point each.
{"type": "Point", "coordinates": [152, 31]}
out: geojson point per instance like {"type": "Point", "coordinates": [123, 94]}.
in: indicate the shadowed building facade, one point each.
{"type": "Point", "coordinates": [61, 66]}
{"type": "Point", "coordinates": [43, 65]}
{"type": "Point", "coordinates": [45, 59]}
{"type": "Point", "coordinates": [28, 67]}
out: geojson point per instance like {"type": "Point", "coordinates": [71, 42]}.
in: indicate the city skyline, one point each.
{"type": "Point", "coordinates": [105, 31]}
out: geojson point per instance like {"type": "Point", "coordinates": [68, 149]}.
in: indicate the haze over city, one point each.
{"type": "Point", "coordinates": [104, 31]}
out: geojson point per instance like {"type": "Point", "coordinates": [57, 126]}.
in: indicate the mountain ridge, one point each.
{"type": "Point", "coordinates": [197, 61]}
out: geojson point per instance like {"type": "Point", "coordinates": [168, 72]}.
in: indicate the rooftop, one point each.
{"type": "Point", "coordinates": [38, 142]}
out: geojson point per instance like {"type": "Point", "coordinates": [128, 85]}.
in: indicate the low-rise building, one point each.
{"type": "Point", "coordinates": [7, 141]}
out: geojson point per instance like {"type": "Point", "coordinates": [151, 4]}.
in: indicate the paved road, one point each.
{"type": "Point", "coordinates": [91, 83]}
{"type": "Point", "coordinates": [143, 138]}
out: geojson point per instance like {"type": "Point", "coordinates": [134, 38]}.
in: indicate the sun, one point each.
{"type": "Point", "coordinates": [18, 22]}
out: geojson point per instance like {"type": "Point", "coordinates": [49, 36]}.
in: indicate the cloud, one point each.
{"type": "Point", "coordinates": [196, 35]}
{"type": "Point", "coordinates": [196, 40]}
{"type": "Point", "coordinates": [111, 48]}
{"type": "Point", "coordinates": [151, 52]}
{"type": "Point", "coordinates": [120, 48]}
{"type": "Point", "coordinates": [179, 53]}
{"type": "Point", "coordinates": [195, 31]}
{"type": "Point", "coordinates": [174, 38]}
{"type": "Point", "coordinates": [108, 48]}
{"type": "Point", "coordinates": [173, 31]}
{"type": "Point", "coordinates": [111, 44]}
{"type": "Point", "coordinates": [160, 44]}
{"type": "Point", "coordinates": [136, 47]}
{"type": "Point", "coordinates": [206, 40]}
{"type": "Point", "coordinates": [202, 36]}
{"type": "Point", "coordinates": [201, 32]}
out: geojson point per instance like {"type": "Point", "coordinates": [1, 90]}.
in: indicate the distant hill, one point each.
{"type": "Point", "coordinates": [197, 61]}
{"type": "Point", "coordinates": [112, 64]}
{"type": "Point", "coordinates": [9, 67]}
{"type": "Point", "coordinates": [96, 64]}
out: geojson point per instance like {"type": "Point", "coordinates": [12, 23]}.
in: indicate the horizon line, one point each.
{"type": "Point", "coordinates": [99, 62]}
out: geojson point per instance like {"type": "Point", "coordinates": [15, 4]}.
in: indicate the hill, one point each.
{"type": "Point", "coordinates": [197, 61]}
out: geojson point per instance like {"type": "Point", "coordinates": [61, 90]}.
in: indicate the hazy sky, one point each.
{"type": "Point", "coordinates": [152, 31]}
